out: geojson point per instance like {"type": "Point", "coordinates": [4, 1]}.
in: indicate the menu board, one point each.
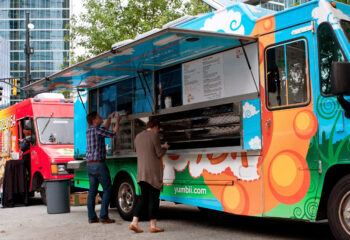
{"type": "Point", "coordinates": [203, 79]}
{"type": "Point", "coordinates": [220, 75]}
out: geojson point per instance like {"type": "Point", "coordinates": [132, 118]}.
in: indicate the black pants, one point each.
{"type": "Point", "coordinates": [27, 165]}
{"type": "Point", "coordinates": [148, 195]}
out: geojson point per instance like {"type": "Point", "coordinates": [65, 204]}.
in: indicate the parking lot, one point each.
{"type": "Point", "coordinates": [180, 222]}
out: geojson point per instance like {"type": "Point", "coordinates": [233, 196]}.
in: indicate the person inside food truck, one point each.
{"type": "Point", "coordinates": [24, 145]}
{"type": "Point", "coordinates": [96, 167]}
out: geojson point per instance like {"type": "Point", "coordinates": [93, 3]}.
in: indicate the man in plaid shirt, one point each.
{"type": "Point", "coordinates": [96, 166]}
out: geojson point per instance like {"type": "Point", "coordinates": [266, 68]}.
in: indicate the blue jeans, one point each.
{"type": "Point", "coordinates": [98, 174]}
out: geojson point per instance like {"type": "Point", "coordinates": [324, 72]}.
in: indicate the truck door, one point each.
{"type": "Point", "coordinates": [333, 133]}
{"type": "Point", "coordinates": [26, 125]}
{"type": "Point", "coordinates": [290, 164]}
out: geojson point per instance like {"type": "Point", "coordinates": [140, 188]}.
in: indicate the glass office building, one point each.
{"type": "Point", "coordinates": [50, 19]}
{"type": "Point", "coordinates": [5, 72]}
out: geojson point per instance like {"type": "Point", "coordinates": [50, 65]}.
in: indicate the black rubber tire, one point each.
{"type": "Point", "coordinates": [205, 210]}
{"type": "Point", "coordinates": [43, 195]}
{"type": "Point", "coordinates": [125, 197]}
{"type": "Point", "coordinates": [337, 200]}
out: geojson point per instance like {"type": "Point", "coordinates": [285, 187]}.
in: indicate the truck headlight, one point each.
{"type": "Point", "coordinates": [59, 169]}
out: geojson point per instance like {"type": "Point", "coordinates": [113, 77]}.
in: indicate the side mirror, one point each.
{"type": "Point", "coordinates": [340, 78]}
{"type": "Point", "coordinates": [28, 124]}
{"type": "Point", "coordinates": [340, 84]}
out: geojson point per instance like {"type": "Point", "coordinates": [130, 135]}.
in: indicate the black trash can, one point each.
{"type": "Point", "coordinates": [57, 196]}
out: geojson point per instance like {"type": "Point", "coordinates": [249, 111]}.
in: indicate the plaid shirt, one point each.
{"type": "Point", "coordinates": [95, 143]}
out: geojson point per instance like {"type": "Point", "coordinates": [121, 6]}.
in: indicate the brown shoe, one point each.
{"type": "Point", "coordinates": [155, 230]}
{"type": "Point", "coordinates": [135, 229]}
{"type": "Point", "coordinates": [108, 220]}
{"type": "Point", "coordinates": [95, 220]}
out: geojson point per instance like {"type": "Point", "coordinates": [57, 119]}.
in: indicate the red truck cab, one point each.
{"type": "Point", "coordinates": [51, 142]}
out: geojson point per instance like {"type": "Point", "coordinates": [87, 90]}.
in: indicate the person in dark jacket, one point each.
{"type": "Point", "coordinates": [149, 174]}
{"type": "Point", "coordinates": [24, 145]}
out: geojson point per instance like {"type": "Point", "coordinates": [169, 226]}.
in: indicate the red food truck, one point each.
{"type": "Point", "coordinates": [49, 117]}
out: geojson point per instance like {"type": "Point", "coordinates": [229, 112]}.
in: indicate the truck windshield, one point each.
{"type": "Point", "coordinates": [55, 130]}
{"type": "Point", "coordinates": [346, 28]}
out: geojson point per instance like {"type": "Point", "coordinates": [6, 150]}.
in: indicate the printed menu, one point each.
{"type": "Point", "coordinates": [203, 79]}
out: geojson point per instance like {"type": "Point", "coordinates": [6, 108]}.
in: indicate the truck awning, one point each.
{"type": "Point", "coordinates": [149, 52]}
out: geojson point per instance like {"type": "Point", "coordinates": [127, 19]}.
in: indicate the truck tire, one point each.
{"type": "Point", "coordinates": [206, 210]}
{"type": "Point", "coordinates": [125, 197]}
{"type": "Point", "coordinates": [338, 209]}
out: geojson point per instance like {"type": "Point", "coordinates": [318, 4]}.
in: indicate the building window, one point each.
{"type": "Point", "coordinates": [286, 75]}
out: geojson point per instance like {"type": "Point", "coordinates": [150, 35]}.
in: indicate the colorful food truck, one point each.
{"type": "Point", "coordinates": [250, 101]}
{"type": "Point", "coordinates": [50, 119]}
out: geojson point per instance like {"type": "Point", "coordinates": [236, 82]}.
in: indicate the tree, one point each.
{"type": "Point", "coordinates": [66, 93]}
{"type": "Point", "coordinates": [106, 22]}
{"type": "Point", "coordinates": [195, 7]}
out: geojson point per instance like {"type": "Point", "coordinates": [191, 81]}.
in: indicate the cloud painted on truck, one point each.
{"type": "Point", "coordinates": [231, 22]}
{"type": "Point", "coordinates": [255, 143]}
{"type": "Point", "coordinates": [236, 163]}
{"type": "Point", "coordinates": [249, 110]}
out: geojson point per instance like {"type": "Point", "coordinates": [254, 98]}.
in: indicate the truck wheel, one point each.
{"type": "Point", "coordinates": [43, 195]}
{"type": "Point", "coordinates": [125, 198]}
{"type": "Point", "coordinates": [338, 209]}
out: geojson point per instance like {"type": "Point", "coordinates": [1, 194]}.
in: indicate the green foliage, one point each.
{"type": "Point", "coordinates": [66, 93]}
{"type": "Point", "coordinates": [106, 22]}
{"type": "Point", "coordinates": [195, 7]}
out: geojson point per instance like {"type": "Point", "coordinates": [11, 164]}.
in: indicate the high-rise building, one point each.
{"type": "Point", "coordinates": [5, 72]}
{"type": "Point", "coordinates": [50, 19]}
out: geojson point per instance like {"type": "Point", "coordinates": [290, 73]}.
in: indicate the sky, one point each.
{"type": "Point", "coordinates": [77, 8]}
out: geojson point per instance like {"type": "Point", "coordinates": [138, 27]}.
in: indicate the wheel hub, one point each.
{"type": "Point", "coordinates": [125, 197]}
{"type": "Point", "coordinates": [344, 212]}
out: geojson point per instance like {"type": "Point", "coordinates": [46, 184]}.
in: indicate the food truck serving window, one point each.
{"type": "Point", "coordinates": [169, 87]}
{"type": "Point", "coordinates": [287, 75]}
{"type": "Point", "coordinates": [202, 99]}
{"type": "Point", "coordinates": [125, 96]}
{"type": "Point", "coordinates": [93, 100]}
{"type": "Point", "coordinates": [206, 127]}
